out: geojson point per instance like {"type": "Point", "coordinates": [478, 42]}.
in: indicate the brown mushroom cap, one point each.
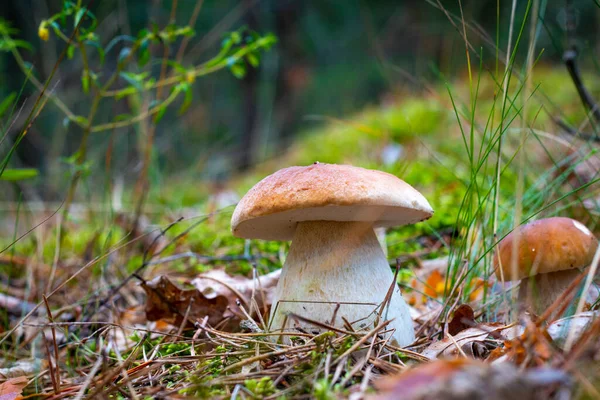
{"type": "Point", "coordinates": [325, 192]}
{"type": "Point", "coordinates": [547, 245]}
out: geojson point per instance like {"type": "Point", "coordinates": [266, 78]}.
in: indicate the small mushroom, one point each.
{"type": "Point", "coordinates": [336, 268]}
{"type": "Point", "coordinates": [550, 254]}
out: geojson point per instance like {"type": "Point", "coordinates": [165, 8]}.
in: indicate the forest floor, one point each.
{"type": "Point", "coordinates": [170, 307]}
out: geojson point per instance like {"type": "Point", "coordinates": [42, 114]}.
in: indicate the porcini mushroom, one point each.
{"type": "Point", "coordinates": [336, 268]}
{"type": "Point", "coordinates": [549, 255]}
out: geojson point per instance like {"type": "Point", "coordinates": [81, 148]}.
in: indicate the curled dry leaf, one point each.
{"type": "Point", "coordinates": [474, 342]}
{"type": "Point", "coordinates": [12, 388]}
{"type": "Point", "coordinates": [470, 379]}
{"type": "Point", "coordinates": [463, 318]}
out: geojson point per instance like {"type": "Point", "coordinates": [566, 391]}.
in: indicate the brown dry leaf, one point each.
{"type": "Point", "coordinates": [470, 379]}
{"type": "Point", "coordinates": [165, 300]}
{"type": "Point", "coordinates": [12, 388]}
{"type": "Point", "coordinates": [474, 342]}
{"type": "Point", "coordinates": [463, 318]}
{"type": "Point", "coordinates": [534, 346]}
{"type": "Point", "coordinates": [216, 294]}
{"type": "Point", "coordinates": [409, 383]}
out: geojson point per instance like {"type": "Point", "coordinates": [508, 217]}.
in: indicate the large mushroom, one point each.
{"type": "Point", "coordinates": [550, 254]}
{"type": "Point", "coordinates": [336, 268]}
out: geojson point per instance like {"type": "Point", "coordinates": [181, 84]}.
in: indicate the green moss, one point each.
{"type": "Point", "coordinates": [260, 388]}
{"type": "Point", "coordinates": [413, 117]}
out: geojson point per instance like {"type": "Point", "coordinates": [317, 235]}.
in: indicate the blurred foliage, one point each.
{"type": "Point", "coordinates": [131, 77]}
{"type": "Point", "coordinates": [333, 59]}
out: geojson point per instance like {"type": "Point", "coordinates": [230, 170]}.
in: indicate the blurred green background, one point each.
{"type": "Point", "coordinates": [332, 59]}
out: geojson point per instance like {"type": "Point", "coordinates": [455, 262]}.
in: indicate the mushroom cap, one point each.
{"type": "Point", "coordinates": [547, 245]}
{"type": "Point", "coordinates": [325, 192]}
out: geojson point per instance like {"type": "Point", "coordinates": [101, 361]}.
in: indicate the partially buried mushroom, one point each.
{"type": "Point", "coordinates": [550, 254]}
{"type": "Point", "coordinates": [336, 268]}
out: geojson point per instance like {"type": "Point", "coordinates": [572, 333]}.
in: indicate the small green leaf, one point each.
{"type": "Point", "coordinates": [159, 114]}
{"type": "Point", "coordinates": [135, 80]}
{"type": "Point", "coordinates": [9, 44]}
{"type": "Point", "coordinates": [70, 51]}
{"type": "Point", "coordinates": [238, 70]}
{"type": "Point", "coordinates": [187, 101]}
{"type": "Point", "coordinates": [125, 92]}
{"type": "Point", "coordinates": [176, 66]}
{"type": "Point", "coordinates": [123, 117]}
{"type": "Point", "coordinates": [72, 159]}
{"type": "Point", "coordinates": [54, 26]}
{"type": "Point", "coordinates": [23, 44]}
{"type": "Point", "coordinates": [7, 102]}
{"type": "Point", "coordinates": [18, 174]}
{"type": "Point", "coordinates": [187, 31]}
{"type": "Point", "coordinates": [101, 53]}
{"type": "Point", "coordinates": [82, 11]}
{"type": "Point", "coordinates": [81, 120]}
{"type": "Point", "coordinates": [253, 59]}
{"type": "Point", "coordinates": [81, 14]}
{"type": "Point", "coordinates": [144, 53]}
{"type": "Point", "coordinates": [143, 33]}
{"type": "Point", "coordinates": [85, 81]}
{"type": "Point", "coordinates": [118, 39]}
{"type": "Point", "coordinates": [69, 6]}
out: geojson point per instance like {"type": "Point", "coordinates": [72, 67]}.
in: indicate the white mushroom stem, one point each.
{"type": "Point", "coordinates": [331, 263]}
{"type": "Point", "coordinates": [381, 238]}
{"type": "Point", "coordinates": [538, 292]}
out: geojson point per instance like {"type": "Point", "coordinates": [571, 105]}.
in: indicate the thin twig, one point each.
{"type": "Point", "coordinates": [56, 358]}
{"type": "Point", "coordinates": [575, 132]}
{"type": "Point", "coordinates": [570, 59]}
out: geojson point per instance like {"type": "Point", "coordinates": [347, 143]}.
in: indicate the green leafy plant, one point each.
{"type": "Point", "coordinates": [131, 77]}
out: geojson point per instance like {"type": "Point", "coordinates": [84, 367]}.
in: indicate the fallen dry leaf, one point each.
{"type": "Point", "coordinates": [535, 344]}
{"type": "Point", "coordinates": [470, 380]}
{"type": "Point", "coordinates": [560, 329]}
{"type": "Point", "coordinates": [463, 318]}
{"type": "Point", "coordinates": [474, 342]}
{"type": "Point", "coordinates": [216, 295]}
{"type": "Point", "coordinates": [434, 286]}
{"type": "Point", "coordinates": [12, 388]}
{"type": "Point", "coordinates": [165, 300]}
{"type": "Point", "coordinates": [22, 368]}
{"type": "Point", "coordinates": [409, 383]}
{"type": "Point", "coordinates": [533, 347]}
